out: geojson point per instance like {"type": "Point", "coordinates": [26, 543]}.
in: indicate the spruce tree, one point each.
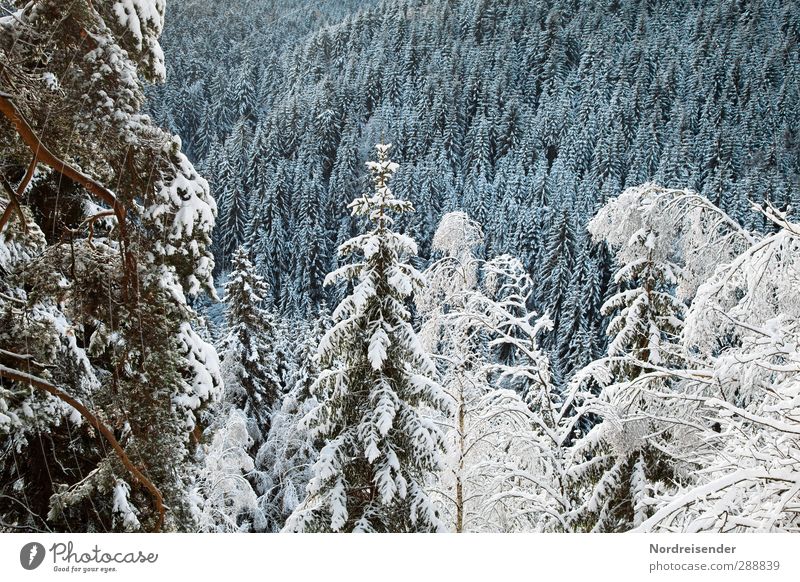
{"type": "Point", "coordinates": [249, 361]}
{"type": "Point", "coordinates": [646, 322]}
{"type": "Point", "coordinates": [374, 379]}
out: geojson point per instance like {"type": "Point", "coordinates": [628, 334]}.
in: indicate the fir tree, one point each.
{"type": "Point", "coordinates": [646, 322]}
{"type": "Point", "coordinates": [249, 361]}
{"type": "Point", "coordinates": [375, 378]}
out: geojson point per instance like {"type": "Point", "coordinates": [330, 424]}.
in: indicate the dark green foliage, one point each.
{"type": "Point", "coordinates": [526, 114]}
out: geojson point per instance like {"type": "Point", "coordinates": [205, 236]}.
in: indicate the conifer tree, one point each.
{"type": "Point", "coordinates": [643, 335]}
{"type": "Point", "coordinates": [102, 374]}
{"type": "Point", "coordinates": [249, 362]}
{"type": "Point", "coordinates": [374, 379]}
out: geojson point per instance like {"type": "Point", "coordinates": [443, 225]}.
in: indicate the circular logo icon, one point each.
{"type": "Point", "coordinates": [31, 555]}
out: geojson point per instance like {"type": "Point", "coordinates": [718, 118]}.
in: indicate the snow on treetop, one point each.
{"type": "Point", "coordinates": [457, 235]}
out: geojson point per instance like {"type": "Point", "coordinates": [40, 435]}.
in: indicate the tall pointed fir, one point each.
{"type": "Point", "coordinates": [249, 360]}
{"type": "Point", "coordinates": [647, 315]}
{"type": "Point", "coordinates": [227, 487]}
{"type": "Point", "coordinates": [642, 334]}
{"type": "Point", "coordinates": [374, 379]}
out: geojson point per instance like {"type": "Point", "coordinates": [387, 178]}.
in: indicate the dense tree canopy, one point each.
{"type": "Point", "coordinates": [528, 115]}
{"type": "Point", "coordinates": [104, 233]}
{"type": "Point", "coordinates": [589, 322]}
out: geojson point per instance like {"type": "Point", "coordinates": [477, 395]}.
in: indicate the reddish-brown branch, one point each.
{"type": "Point", "coordinates": [45, 156]}
{"type": "Point", "coordinates": [36, 382]}
{"type": "Point", "coordinates": [90, 222]}
{"type": "Point", "coordinates": [23, 185]}
{"type": "Point", "coordinates": [13, 204]}
{"type": "Point", "coordinates": [42, 154]}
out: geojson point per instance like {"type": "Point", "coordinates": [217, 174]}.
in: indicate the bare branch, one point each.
{"type": "Point", "coordinates": [36, 382]}
{"type": "Point", "coordinates": [42, 154]}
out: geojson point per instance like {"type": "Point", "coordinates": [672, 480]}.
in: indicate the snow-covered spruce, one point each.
{"type": "Point", "coordinates": [375, 379]}
{"type": "Point", "coordinates": [722, 414]}
{"type": "Point", "coordinates": [249, 356]}
{"type": "Point", "coordinates": [228, 492]}
{"type": "Point", "coordinates": [620, 464]}
{"type": "Point", "coordinates": [742, 393]}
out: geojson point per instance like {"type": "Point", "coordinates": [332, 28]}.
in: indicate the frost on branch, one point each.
{"type": "Point", "coordinates": [721, 413]}
{"type": "Point", "coordinates": [223, 499]}
{"type": "Point", "coordinates": [743, 324]}
{"type": "Point", "coordinates": [675, 226]}
{"type": "Point", "coordinates": [504, 428]}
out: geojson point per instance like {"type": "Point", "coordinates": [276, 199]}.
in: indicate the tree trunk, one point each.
{"type": "Point", "coordinates": [459, 483]}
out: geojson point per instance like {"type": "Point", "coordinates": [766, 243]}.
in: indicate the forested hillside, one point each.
{"type": "Point", "coordinates": [527, 115]}
{"type": "Point", "coordinates": [414, 266]}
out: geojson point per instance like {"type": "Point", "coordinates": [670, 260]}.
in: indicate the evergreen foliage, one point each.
{"type": "Point", "coordinates": [104, 240]}
{"type": "Point", "coordinates": [528, 115]}
{"type": "Point", "coordinates": [374, 379]}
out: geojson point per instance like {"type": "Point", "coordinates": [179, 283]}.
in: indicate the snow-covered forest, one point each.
{"type": "Point", "coordinates": [399, 266]}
